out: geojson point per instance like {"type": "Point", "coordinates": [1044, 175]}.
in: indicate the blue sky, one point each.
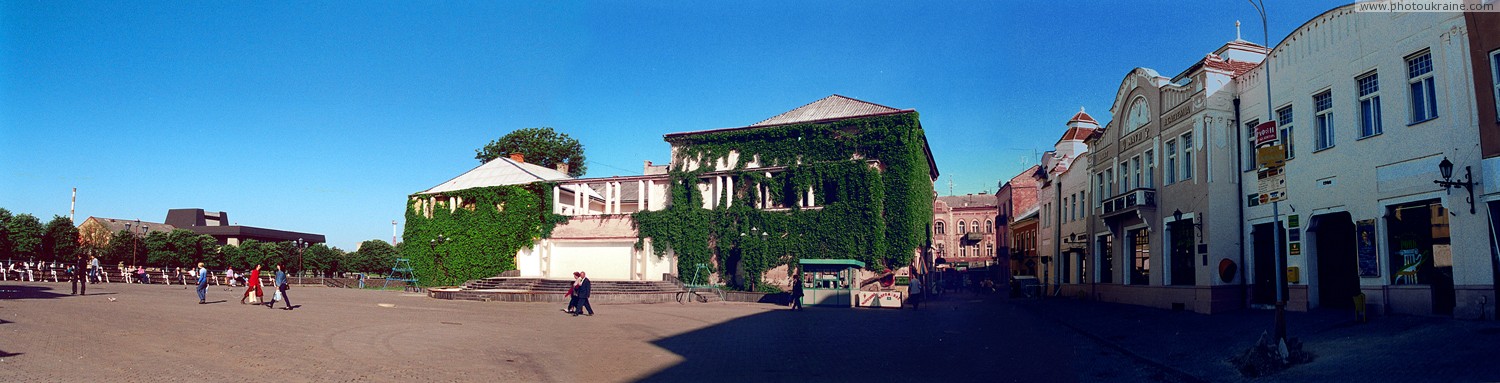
{"type": "Point", "coordinates": [323, 116]}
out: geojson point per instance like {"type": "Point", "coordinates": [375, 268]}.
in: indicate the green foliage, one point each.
{"type": "Point", "coordinates": [322, 259]}
{"type": "Point", "coordinates": [481, 235]}
{"type": "Point", "coordinates": [868, 214]}
{"type": "Point", "coordinates": [60, 240]}
{"type": "Point", "coordinates": [122, 248]}
{"type": "Point", "coordinates": [6, 247]}
{"type": "Point", "coordinates": [374, 256]}
{"type": "Point", "coordinates": [25, 234]}
{"type": "Point", "coordinates": [542, 146]}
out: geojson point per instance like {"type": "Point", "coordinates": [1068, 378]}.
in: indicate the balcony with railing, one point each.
{"type": "Point", "coordinates": [1130, 201]}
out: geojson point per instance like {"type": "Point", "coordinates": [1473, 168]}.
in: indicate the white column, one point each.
{"type": "Point", "coordinates": [718, 190]}
{"type": "Point", "coordinates": [728, 191]}
{"type": "Point", "coordinates": [577, 197]}
{"type": "Point", "coordinates": [556, 196]}
{"type": "Point", "coordinates": [640, 199]}
{"type": "Point", "coordinates": [811, 200]}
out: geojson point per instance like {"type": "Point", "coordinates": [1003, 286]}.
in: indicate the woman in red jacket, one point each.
{"type": "Point", "coordinates": [253, 285]}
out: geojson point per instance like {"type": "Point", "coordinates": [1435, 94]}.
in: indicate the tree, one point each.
{"type": "Point", "coordinates": [25, 236]}
{"type": "Point", "coordinates": [60, 240]}
{"type": "Point", "coordinates": [123, 247]}
{"type": "Point", "coordinates": [541, 146]}
{"type": "Point", "coordinates": [375, 256]}
{"type": "Point", "coordinates": [6, 247]}
{"type": "Point", "coordinates": [93, 240]}
{"type": "Point", "coordinates": [323, 260]}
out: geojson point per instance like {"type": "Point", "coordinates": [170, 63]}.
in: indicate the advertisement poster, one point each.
{"type": "Point", "coordinates": [1364, 234]}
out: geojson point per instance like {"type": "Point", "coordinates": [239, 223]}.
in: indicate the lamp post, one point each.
{"type": "Point", "coordinates": [1280, 326]}
{"type": "Point", "coordinates": [1446, 169]}
{"type": "Point", "coordinates": [297, 247]}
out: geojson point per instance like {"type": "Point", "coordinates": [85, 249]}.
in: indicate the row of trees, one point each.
{"type": "Point", "coordinates": [24, 238]}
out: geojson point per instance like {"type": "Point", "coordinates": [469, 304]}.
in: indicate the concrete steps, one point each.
{"type": "Point", "coordinates": [519, 289]}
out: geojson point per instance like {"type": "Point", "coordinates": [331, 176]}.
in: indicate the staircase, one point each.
{"type": "Point", "coordinates": [520, 289]}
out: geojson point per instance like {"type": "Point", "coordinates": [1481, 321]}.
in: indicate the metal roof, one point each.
{"type": "Point", "coordinates": [497, 172]}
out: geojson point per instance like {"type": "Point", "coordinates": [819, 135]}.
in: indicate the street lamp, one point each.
{"type": "Point", "coordinates": [1177, 220]}
{"type": "Point", "coordinates": [1446, 169]}
{"type": "Point", "coordinates": [297, 247]}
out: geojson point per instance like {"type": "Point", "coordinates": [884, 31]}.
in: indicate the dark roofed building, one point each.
{"type": "Point", "coordinates": [217, 225]}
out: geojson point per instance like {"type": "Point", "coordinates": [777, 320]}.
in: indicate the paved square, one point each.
{"type": "Point", "coordinates": [160, 333]}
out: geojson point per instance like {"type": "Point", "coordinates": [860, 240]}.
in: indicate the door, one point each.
{"type": "Point", "coordinates": [1183, 272]}
{"type": "Point", "coordinates": [1264, 290]}
{"type": "Point", "coordinates": [1337, 260]}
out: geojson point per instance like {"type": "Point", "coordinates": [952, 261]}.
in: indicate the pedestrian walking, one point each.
{"type": "Point", "coordinates": [797, 293]}
{"type": "Point", "coordinates": [202, 283]}
{"type": "Point", "coordinates": [281, 288]}
{"type": "Point", "coordinates": [80, 279]}
{"type": "Point", "coordinates": [93, 269]}
{"type": "Point", "coordinates": [253, 285]}
{"type": "Point", "coordinates": [572, 296]}
{"type": "Point", "coordinates": [583, 295]}
{"type": "Point", "coordinates": [914, 289]}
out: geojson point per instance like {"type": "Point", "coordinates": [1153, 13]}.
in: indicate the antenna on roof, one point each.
{"type": "Point", "coordinates": [1237, 30]}
{"type": "Point", "coordinates": [950, 185]}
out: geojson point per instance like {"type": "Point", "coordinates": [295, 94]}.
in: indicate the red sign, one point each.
{"type": "Point", "coordinates": [1265, 133]}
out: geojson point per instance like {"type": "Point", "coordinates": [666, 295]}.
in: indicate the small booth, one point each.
{"type": "Point", "coordinates": [829, 282]}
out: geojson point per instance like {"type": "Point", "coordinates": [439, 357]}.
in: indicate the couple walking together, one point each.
{"type": "Point", "coordinates": [580, 293]}
{"type": "Point", "coordinates": [253, 285]}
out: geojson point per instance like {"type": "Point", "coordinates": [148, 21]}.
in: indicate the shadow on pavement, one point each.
{"type": "Point", "coordinates": [4, 354]}
{"type": "Point", "coordinates": [8, 292]}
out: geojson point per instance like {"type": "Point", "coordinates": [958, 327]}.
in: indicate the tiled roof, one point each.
{"type": "Point", "coordinates": [1076, 133]}
{"type": "Point", "coordinates": [500, 171]}
{"type": "Point", "coordinates": [115, 225]}
{"type": "Point", "coordinates": [1235, 68]}
{"type": "Point", "coordinates": [1083, 117]}
{"type": "Point", "coordinates": [971, 200]}
{"type": "Point", "coordinates": [830, 107]}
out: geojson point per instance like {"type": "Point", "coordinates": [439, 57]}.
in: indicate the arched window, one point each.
{"type": "Point", "coordinates": [989, 226]}
{"type": "Point", "coordinates": [961, 227]}
{"type": "Point", "coordinates": [938, 227]}
{"type": "Point", "coordinates": [974, 226]}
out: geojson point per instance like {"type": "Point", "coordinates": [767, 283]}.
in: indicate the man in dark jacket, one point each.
{"type": "Point", "coordinates": [583, 296]}
{"type": "Point", "coordinates": [280, 289]}
{"type": "Point", "coordinates": [80, 283]}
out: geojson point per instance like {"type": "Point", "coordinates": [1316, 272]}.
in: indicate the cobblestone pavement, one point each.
{"type": "Point", "coordinates": [1386, 349]}
{"type": "Point", "coordinates": [160, 333]}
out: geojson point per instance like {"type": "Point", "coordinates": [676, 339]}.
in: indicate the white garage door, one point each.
{"type": "Point", "coordinates": [601, 260]}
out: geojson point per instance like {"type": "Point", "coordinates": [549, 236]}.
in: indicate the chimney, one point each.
{"type": "Point", "coordinates": [562, 167]}
{"type": "Point", "coordinates": [518, 157]}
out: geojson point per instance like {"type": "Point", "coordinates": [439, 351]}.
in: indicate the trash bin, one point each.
{"type": "Point", "coordinates": [1359, 308]}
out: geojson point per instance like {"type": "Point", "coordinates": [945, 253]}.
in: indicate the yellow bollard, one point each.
{"type": "Point", "coordinates": [1359, 308]}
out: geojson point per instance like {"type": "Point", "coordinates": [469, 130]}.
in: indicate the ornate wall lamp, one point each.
{"type": "Point", "coordinates": [1446, 168]}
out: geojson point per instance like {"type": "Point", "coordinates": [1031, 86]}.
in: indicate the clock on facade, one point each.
{"type": "Point", "coordinates": [1139, 115]}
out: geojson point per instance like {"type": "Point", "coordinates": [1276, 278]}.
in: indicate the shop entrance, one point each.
{"type": "Point", "coordinates": [1183, 272]}
{"type": "Point", "coordinates": [1420, 250]}
{"type": "Point", "coordinates": [1264, 290]}
{"type": "Point", "coordinates": [1337, 260]}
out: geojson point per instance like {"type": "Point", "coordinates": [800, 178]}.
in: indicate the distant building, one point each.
{"type": "Point", "coordinates": [1016, 200]}
{"type": "Point", "coordinates": [964, 235]}
{"type": "Point", "coordinates": [107, 227]}
{"type": "Point", "coordinates": [1064, 177]}
{"type": "Point", "coordinates": [217, 225]}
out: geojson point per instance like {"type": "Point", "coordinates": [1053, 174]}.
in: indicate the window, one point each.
{"type": "Point", "coordinates": [1323, 118]}
{"type": "Point", "coordinates": [1284, 123]}
{"type": "Point", "coordinates": [989, 226]}
{"type": "Point", "coordinates": [1423, 87]}
{"type": "Point", "coordinates": [1171, 169]}
{"type": "Point", "coordinates": [1125, 176]}
{"type": "Point", "coordinates": [1495, 78]}
{"type": "Point", "coordinates": [1073, 207]}
{"type": "Point", "coordinates": [963, 251]}
{"type": "Point", "coordinates": [1250, 145]}
{"type": "Point", "coordinates": [1187, 156]}
{"type": "Point", "coordinates": [961, 227]}
{"type": "Point", "coordinates": [1369, 104]}
{"type": "Point", "coordinates": [974, 226]}
{"type": "Point", "coordinates": [1136, 163]}
{"type": "Point", "coordinates": [1098, 190]}
{"type": "Point", "coordinates": [989, 250]}
{"type": "Point", "coordinates": [1109, 182]}
{"type": "Point", "coordinates": [938, 227]}
{"type": "Point", "coordinates": [1150, 168]}
{"type": "Point", "coordinates": [1140, 246]}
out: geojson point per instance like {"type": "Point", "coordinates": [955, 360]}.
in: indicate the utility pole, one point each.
{"type": "Point", "coordinates": [1280, 326]}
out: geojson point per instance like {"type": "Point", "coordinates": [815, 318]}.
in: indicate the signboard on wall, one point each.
{"type": "Point", "coordinates": [1265, 133]}
{"type": "Point", "coordinates": [889, 299]}
{"type": "Point", "coordinates": [1364, 236]}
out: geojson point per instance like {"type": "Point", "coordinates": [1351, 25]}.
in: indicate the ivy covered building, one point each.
{"type": "Point", "coordinates": [837, 178]}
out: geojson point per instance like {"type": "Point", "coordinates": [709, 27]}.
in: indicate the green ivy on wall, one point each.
{"type": "Point", "coordinates": [878, 216]}
{"type": "Point", "coordinates": [483, 233]}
